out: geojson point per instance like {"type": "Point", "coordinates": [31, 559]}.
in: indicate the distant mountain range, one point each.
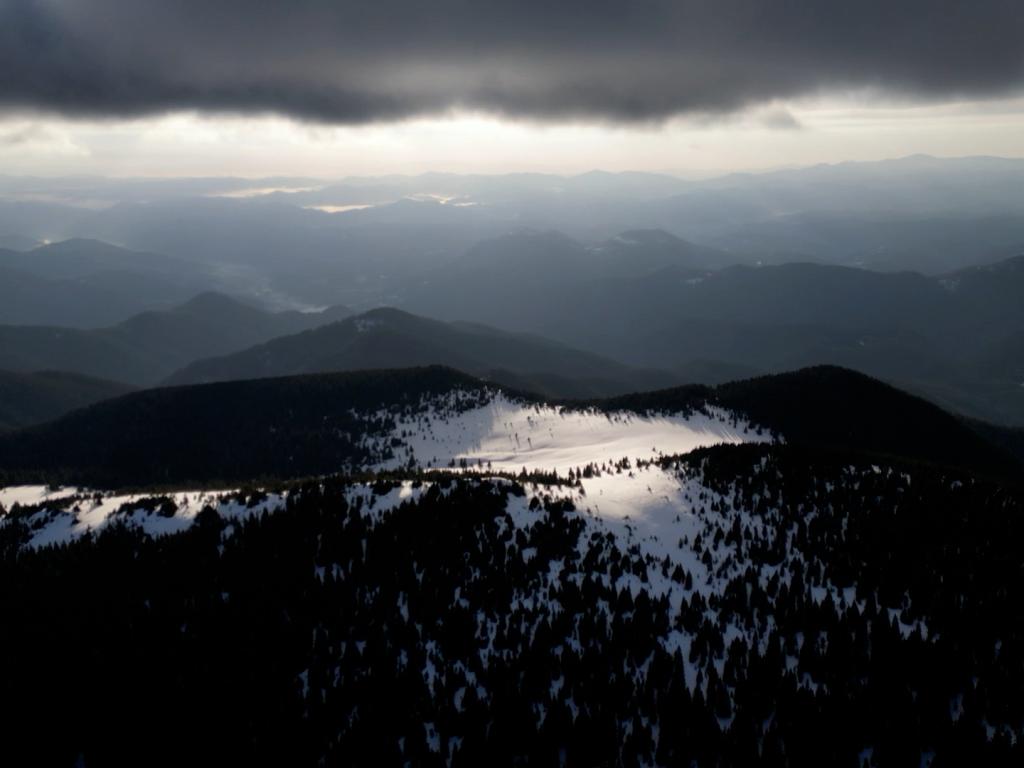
{"type": "Point", "coordinates": [908, 270]}
{"type": "Point", "coordinates": [87, 283]}
{"type": "Point", "coordinates": [552, 257]}
{"type": "Point", "coordinates": [147, 347]}
{"type": "Point", "coordinates": [568, 333]}
{"type": "Point", "coordinates": [945, 336]}
{"type": "Point", "coordinates": [278, 237]}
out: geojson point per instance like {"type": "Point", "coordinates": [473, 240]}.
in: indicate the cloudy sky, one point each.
{"type": "Point", "coordinates": [315, 87]}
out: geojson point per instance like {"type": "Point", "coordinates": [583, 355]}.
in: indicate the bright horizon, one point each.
{"type": "Point", "coordinates": [195, 144]}
{"type": "Point", "coordinates": [334, 89]}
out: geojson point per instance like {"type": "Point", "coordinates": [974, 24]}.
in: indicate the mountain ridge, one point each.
{"type": "Point", "coordinates": [300, 425]}
{"type": "Point", "coordinates": [392, 338]}
{"type": "Point", "coordinates": [148, 346]}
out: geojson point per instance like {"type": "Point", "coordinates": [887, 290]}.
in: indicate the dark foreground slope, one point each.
{"type": "Point", "coordinates": [854, 617]}
{"type": "Point", "coordinates": [301, 425]}
{"type": "Point", "coordinates": [826, 605]}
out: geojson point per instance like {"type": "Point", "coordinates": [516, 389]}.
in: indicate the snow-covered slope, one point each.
{"type": "Point", "coordinates": [57, 516]}
{"type": "Point", "coordinates": [501, 435]}
{"type": "Point", "coordinates": [745, 582]}
{"type": "Point", "coordinates": [614, 469]}
{"type": "Point", "coordinates": [510, 435]}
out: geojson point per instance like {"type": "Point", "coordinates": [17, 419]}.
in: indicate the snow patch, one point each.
{"type": "Point", "coordinates": [59, 516]}
{"type": "Point", "coordinates": [508, 435]}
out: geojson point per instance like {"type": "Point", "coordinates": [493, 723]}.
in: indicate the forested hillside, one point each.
{"type": "Point", "coordinates": [293, 426]}
{"type": "Point", "coordinates": [811, 613]}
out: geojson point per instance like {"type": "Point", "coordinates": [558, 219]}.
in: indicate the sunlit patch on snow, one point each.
{"type": "Point", "coordinates": [508, 435]}
{"type": "Point", "coordinates": [494, 433]}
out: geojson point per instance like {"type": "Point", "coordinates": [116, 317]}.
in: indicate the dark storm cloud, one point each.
{"type": "Point", "coordinates": [363, 60]}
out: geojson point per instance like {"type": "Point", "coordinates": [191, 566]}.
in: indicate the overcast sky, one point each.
{"type": "Point", "coordinates": [313, 87]}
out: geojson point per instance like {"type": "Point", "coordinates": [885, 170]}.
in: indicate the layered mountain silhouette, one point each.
{"type": "Point", "coordinates": [943, 336]}
{"type": "Point", "coordinates": [147, 347]}
{"type": "Point", "coordinates": [390, 338]}
{"type": "Point", "coordinates": [87, 283]}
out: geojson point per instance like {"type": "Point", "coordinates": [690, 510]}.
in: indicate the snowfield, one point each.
{"type": "Point", "coordinates": [509, 436]}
